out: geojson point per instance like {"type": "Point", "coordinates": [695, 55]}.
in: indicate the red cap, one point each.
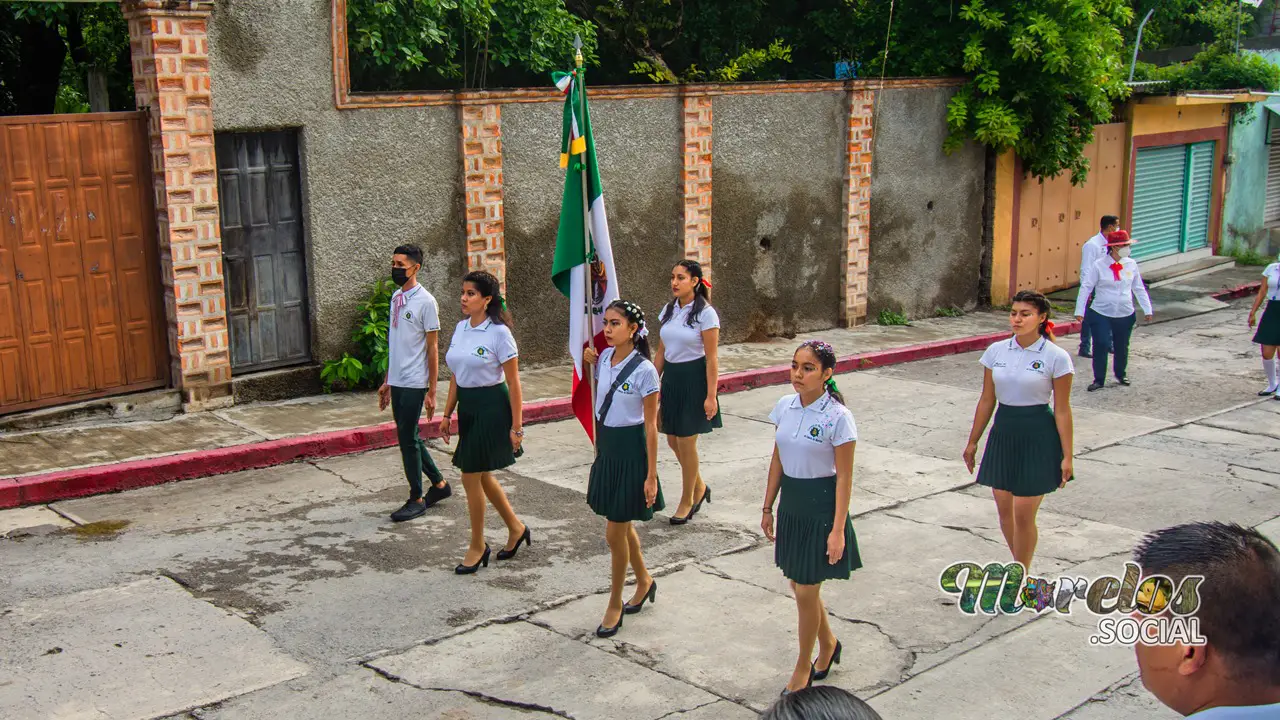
{"type": "Point", "coordinates": [1118, 237]}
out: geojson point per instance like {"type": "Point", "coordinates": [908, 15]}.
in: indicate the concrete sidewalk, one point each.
{"type": "Point", "coordinates": [73, 461]}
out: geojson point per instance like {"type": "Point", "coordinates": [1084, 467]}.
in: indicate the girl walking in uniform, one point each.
{"type": "Point", "coordinates": [812, 466]}
{"type": "Point", "coordinates": [624, 478]}
{"type": "Point", "coordinates": [1029, 451]}
{"type": "Point", "coordinates": [689, 364]}
{"type": "Point", "coordinates": [1268, 334]}
{"type": "Point", "coordinates": [1114, 281]}
{"type": "Point", "coordinates": [483, 359]}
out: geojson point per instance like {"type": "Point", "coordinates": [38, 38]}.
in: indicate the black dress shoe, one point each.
{"type": "Point", "coordinates": [436, 494]}
{"type": "Point", "coordinates": [409, 511]}
{"type": "Point", "coordinates": [807, 685]}
{"type": "Point", "coordinates": [604, 632]}
{"type": "Point", "coordinates": [835, 660]}
{"type": "Point", "coordinates": [1095, 386]}
{"type": "Point", "coordinates": [651, 596]}
{"type": "Point", "coordinates": [681, 520]}
{"type": "Point", "coordinates": [1265, 393]}
{"type": "Point", "coordinates": [469, 569]}
{"type": "Point", "coordinates": [706, 498]}
{"type": "Point", "coordinates": [526, 538]}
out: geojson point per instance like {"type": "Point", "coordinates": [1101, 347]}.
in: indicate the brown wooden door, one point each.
{"type": "Point", "coordinates": [79, 277]}
{"type": "Point", "coordinates": [263, 252]}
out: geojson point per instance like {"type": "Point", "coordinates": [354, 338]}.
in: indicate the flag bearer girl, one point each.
{"type": "Point", "coordinates": [483, 359]}
{"type": "Point", "coordinates": [812, 466]}
{"type": "Point", "coordinates": [690, 368]}
{"type": "Point", "coordinates": [1029, 451]}
{"type": "Point", "coordinates": [1268, 334]}
{"type": "Point", "coordinates": [624, 478]}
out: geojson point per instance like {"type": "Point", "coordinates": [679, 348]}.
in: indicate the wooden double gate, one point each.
{"type": "Point", "coordinates": [80, 295]}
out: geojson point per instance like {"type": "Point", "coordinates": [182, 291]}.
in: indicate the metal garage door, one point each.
{"type": "Point", "coordinates": [1273, 178]}
{"type": "Point", "coordinates": [1172, 199]}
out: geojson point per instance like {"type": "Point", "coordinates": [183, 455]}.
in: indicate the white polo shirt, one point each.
{"type": "Point", "coordinates": [476, 354]}
{"type": "Point", "coordinates": [807, 437]}
{"type": "Point", "coordinates": [681, 343]}
{"type": "Point", "coordinates": [414, 315]}
{"type": "Point", "coordinates": [1113, 298]}
{"type": "Point", "coordinates": [628, 401]}
{"type": "Point", "coordinates": [1024, 376]}
{"type": "Point", "coordinates": [1272, 274]}
{"type": "Point", "coordinates": [1093, 248]}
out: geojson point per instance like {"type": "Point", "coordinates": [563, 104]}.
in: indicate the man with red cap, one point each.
{"type": "Point", "coordinates": [1114, 281]}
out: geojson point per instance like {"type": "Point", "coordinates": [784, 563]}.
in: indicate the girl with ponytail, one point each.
{"type": "Point", "coordinates": [688, 362]}
{"type": "Point", "coordinates": [812, 470]}
{"type": "Point", "coordinates": [483, 359]}
{"type": "Point", "coordinates": [624, 477]}
{"type": "Point", "coordinates": [1028, 453]}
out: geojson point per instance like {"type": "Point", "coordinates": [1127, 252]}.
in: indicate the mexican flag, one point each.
{"type": "Point", "coordinates": [582, 241]}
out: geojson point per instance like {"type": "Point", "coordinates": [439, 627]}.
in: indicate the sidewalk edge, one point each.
{"type": "Point", "coordinates": [133, 474]}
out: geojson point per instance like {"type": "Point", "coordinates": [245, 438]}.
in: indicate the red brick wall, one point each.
{"type": "Point", "coordinates": [857, 218]}
{"type": "Point", "coordinates": [697, 182]}
{"type": "Point", "coordinates": [169, 45]}
{"type": "Point", "coordinates": [482, 181]}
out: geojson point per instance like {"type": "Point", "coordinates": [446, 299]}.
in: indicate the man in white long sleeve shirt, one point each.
{"type": "Point", "coordinates": [1093, 250]}
{"type": "Point", "coordinates": [1114, 281]}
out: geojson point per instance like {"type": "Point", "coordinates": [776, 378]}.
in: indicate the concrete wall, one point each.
{"type": "Point", "coordinates": [926, 209]}
{"type": "Point", "coordinates": [1243, 216]}
{"type": "Point", "coordinates": [372, 179]}
{"type": "Point", "coordinates": [778, 164]}
{"type": "Point", "coordinates": [640, 169]}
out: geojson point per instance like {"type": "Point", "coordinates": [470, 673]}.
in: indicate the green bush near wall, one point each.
{"type": "Point", "coordinates": [1215, 70]}
{"type": "Point", "coordinates": [367, 368]}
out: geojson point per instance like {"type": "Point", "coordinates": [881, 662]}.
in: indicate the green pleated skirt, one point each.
{"type": "Point", "coordinates": [484, 429]}
{"type": "Point", "coordinates": [1268, 332]}
{"type": "Point", "coordinates": [806, 513]}
{"type": "Point", "coordinates": [684, 391]}
{"type": "Point", "coordinates": [1024, 452]}
{"type": "Point", "coordinates": [616, 487]}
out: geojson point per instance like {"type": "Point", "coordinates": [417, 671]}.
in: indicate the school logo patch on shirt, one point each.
{"type": "Point", "coordinates": [626, 387]}
{"type": "Point", "coordinates": [815, 433]}
{"type": "Point", "coordinates": [481, 351]}
{"type": "Point", "coordinates": [408, 315]}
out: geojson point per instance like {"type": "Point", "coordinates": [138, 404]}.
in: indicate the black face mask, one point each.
{"type": "Point", "coordinates": [399, 276]}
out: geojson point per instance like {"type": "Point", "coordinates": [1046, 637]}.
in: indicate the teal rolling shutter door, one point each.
{"type": "Point", "coordinates": [1158, 199]}
{"type": "Point", "coordinates": [1200, 192]}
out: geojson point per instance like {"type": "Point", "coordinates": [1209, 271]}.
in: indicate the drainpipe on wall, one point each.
{"type": "Point", "coordinates": [1137, 43]}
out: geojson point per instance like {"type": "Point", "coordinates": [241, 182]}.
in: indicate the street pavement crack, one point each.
{"type": "Point", "coordinates": [675, 713]}
{"type": "Point", "coordinates": [482, 697]}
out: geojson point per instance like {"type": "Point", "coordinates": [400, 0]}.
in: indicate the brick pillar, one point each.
{"type": "Point", "coordinates": [169, 43]}
{"type": "Point", "coordinates": [482, 179]}
{"type": "Point", "coordinates": [697, 181]}
{"type": "Point", "coordinates": [857, 216]}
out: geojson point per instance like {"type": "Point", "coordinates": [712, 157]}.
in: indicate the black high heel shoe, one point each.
{"type": "Point", "coordinates": [526, 538]}
{"type": "Point", "coordinates": [651, 596]}
{"type": "Point", "coordinates": [835, 660]}
{"type": "Point", "coordinates": [807, 685]}
{"type": "Point", "coordinates": [604, 632]}
{"type": "Point", "coordinates": [469, 569]}
{"type": "Point", "coordinates": [706, 498]}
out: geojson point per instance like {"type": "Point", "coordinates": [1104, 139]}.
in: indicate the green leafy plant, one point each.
{"type": "Point", "coordinates": [1215, 70]}
{"type": "Point", "coordinates": [889, 317]}
{"type": "Point", "coordinates": [1249, 257]}
{"type": "Point", "coordinates": [368, 366]}
{"type": "Point", "coordinates": [948, 312]}
{"type": "Point", "coordinates": [1043, 73]}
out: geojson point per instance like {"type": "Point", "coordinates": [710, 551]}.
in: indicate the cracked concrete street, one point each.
{"type": "Point", "coordinates": [288, 593]}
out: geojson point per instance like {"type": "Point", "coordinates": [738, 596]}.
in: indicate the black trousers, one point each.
{"type": "Point", "coordinates": [1086, 333]}
{"type": "Point", "coordinates": [406, 407]}
{"type": "Point", "coordinates": [1109, 333]}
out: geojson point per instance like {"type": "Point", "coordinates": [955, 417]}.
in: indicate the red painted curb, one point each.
{"type": "Point", "coordinates": [67, 484]}
{"type": "Point", "coordinates": [1234, 293]}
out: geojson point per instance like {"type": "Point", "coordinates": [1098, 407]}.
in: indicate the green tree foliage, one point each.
{"type": "Point", "coordinates": [55, 55]}
{"type": "Point", "coordinates": [1178, 23]}
{"type": "Point", "coordinates": [1044, 72]}
{"type": "Point", "coordinates": [448, 44]}
{"type": "Point", "coordinates": [1215, 70]}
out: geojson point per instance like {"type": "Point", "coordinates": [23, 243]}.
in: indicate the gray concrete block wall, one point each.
{"type": "Point", "coordinates": [926, 209]}
{"type": "Point", "coordinates": [778, 164]}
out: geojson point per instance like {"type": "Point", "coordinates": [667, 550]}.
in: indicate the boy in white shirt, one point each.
{"type": "Point", "coordinates": [413, 368]}
{"type": "Point", "coordinates": [1092, 251]}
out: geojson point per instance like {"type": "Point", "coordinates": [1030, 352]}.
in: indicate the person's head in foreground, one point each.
{"type": "Point", "coordinates": [820, 702]}
{"type": "Point", "coordinates": [1239, 613]}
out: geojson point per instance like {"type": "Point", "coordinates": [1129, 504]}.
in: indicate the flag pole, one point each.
{"type": "Point", "coordinates": [588, 369]}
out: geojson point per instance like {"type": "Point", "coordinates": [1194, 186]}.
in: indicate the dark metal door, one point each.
{"type": "Point", "coordinates": [262, 246]}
